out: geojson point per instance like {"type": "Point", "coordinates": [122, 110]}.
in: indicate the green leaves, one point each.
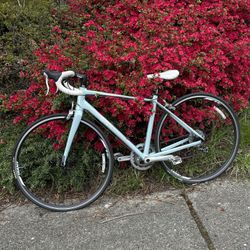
{"type": "Point", "coordinates": [22, 26]}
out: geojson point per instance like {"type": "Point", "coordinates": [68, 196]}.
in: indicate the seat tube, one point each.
{"type": "Point", "coordinates": [78, 114]}
{"type": "Point", "coordinates": [150, 126]}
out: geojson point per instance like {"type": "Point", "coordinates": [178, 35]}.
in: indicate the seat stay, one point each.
{"type": "Point", "coordinates": [181, 122]}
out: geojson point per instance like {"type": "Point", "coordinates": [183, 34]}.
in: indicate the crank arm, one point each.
{"type": "Point", "coordinates": [172, 158]}
{"type": "Point", "coordinates": [119, 157]}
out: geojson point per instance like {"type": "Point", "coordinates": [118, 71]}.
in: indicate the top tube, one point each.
{"type": "Point", "coordinates": [87, 92]}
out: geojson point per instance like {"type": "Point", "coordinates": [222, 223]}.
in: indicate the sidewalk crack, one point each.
{"type": "Point", "coordinates": [203, 231]}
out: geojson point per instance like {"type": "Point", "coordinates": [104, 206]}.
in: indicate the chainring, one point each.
{"type": "Point", "coordinates": [137, 162]}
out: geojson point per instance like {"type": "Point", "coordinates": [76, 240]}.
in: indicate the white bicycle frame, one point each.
{"type": "Point", "coordinates": [83, 105]}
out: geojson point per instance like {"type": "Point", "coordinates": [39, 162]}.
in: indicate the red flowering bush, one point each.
{"type": "Point", "coordinates": [117, 43]}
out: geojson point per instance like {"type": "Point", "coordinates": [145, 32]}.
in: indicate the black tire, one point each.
{"type": "Point", "coordinates": [213, 118]}
{"type": "Point", "coordinates": [37, 164]}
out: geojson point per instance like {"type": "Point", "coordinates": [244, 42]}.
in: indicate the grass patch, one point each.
{"type": "Point", "coordinates": [241, 167]}
{"type": "Point", "coordinates": [127, 181]}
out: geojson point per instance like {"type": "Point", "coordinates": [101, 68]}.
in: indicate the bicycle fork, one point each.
{"type": "Point", "coordinates": [78, 114]}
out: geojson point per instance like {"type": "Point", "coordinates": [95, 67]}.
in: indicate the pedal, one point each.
{"type": "Point", "coordinates": [175, 160]}
{"type": "Point", "coordinates": [120, 157]}
{"type": "Point", "coordinates": [117, 155]}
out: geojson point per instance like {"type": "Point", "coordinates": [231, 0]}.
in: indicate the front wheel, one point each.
{"type": "Point", "coordinates": [211, 117]}
{"type": "Point", "coordinates": [37, 164]}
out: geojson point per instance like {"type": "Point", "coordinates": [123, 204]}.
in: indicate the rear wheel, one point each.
{"type": "Point", "coordinates": [37, 164]}
{"type": "Point", "coordinates": [211, 117]}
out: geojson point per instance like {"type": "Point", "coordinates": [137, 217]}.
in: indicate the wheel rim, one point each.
{"type": "Point", "coordinates": [42, 179]}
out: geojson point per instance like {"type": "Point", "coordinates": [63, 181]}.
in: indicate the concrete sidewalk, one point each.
{"type": "Point", "coordinates": [207, 216]}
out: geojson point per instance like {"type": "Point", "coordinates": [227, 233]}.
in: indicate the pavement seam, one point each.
{"type": "Point", "coordinates": [203, 231]}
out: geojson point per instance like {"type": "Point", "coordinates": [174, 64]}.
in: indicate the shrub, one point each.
{"type": "Point", "coordinates": [21, 28]}
{"type": "Point", "coordinates": [118, 42]}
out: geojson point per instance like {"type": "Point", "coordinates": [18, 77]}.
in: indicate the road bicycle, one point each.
{"type": "Point", "coordinates": [64, 162]}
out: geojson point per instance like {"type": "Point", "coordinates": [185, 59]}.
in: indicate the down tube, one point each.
{"type": "Point", "coordinates": [112, 128]}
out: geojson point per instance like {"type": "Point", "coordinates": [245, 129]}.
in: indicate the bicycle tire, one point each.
{"type": "Point", "coordinates": [37, 164]}
{"type": "Point", "coordinates": [210, 116]}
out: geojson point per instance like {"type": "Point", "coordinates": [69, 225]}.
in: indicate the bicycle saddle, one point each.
{"type": "Point", "coordinates": [55, 75]}
{"type": "Point", "coordinates": [166, 75]}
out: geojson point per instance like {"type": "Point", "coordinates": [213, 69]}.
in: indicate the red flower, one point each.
{"type": "Point", "coordinates": [119, 45]}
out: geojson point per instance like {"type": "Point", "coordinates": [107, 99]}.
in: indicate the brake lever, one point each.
{"type": "Point", "coordinates": [67, 85]}
{"type": "Point", "coordinates": [47, 82]}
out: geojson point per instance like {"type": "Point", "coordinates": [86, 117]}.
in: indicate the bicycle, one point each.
{"type": "Point", "coordinates": [196, 140]}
